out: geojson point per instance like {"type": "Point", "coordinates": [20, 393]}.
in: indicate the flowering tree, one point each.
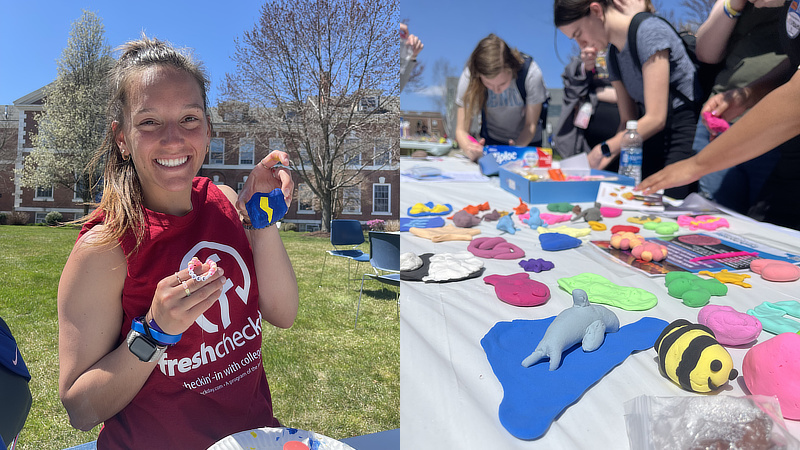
{"type": "Point", "coordinates": [72, 124]}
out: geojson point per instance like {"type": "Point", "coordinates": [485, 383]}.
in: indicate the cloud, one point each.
{"type": "Point", "coordinates": [431, 91]}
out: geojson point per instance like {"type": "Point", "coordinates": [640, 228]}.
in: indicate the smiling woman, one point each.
{"type": "Point", "coordinates": [162, 357]}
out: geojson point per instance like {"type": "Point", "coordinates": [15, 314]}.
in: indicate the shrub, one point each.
{"type": "Point", "coordinates": [392, 225]}
{"type": "Point", "coordinates": [53, 218]}
{"type": "Point", "coordinates": [376, 224]}
{"type": "Point", "coordinates": [288, 226]}
{"type": "Point", "coordinates": [18, 218]}
{"type": "Point", "coordinates": [3, 218]}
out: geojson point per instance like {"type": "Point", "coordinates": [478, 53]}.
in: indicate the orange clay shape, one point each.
{"type": "Point", "coordinates": [726, 277]}
{"type": "Point", "coordinates": [522, 208]}
{"type": "Point", "coordinates": [475, 209]}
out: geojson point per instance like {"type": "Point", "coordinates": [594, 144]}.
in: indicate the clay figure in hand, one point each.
{"type": "Point", "coordinates": [583, 322]}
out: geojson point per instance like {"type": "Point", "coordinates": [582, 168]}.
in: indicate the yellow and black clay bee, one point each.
{"type": "Point", "coordinates": [690, 355]}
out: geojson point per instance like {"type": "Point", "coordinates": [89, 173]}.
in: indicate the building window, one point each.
{"type": "Point", "coordinates": [44, 193]}
{"type": "Point", "coordinates": [351, 200]}
{"type": "Point", "coordinates": [366, 104]}
{"type": "Point", "coordinates": [305, 198]}
{"type": "Point", "coordinates": [217, 152]}
{"type": "Point", "coordinates": [240, 185]}
{"type": "Point", "coordinates": [309, 227]}
{"type": "Point", "coordinates": [40, 217]}
{"type": "Point", "coordinates": [247, 148]}
{"type": "Point", "coordinates": [381, 198]}
{"type": "Point", "coordinates": [216, 179]}
{"type": "Point", "coordinates": [352, 152]}
{"type": "Point", "coordinates": [305, 158]}
{"type": "Point", "coordinates": [276, 144]}
{"type": "Point", "coordinates": [382, 152]}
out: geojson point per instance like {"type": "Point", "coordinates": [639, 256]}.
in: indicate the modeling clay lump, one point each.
{"type": "Point", "coordinates": [601, 290]}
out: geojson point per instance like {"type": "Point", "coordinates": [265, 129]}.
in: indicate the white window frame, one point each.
{"type": "Point", "coordinates": [368, 103]}
{"type": "Point", "coordinates": [247, 146]}
{"type": "Point", "coordinates": [214, 148]}
{"type": "Point", "coordinates": [276, 143]}
{"type": "Point", "coordinates": [388, 199]}
{"type": "Point", "coordinates": [302, 190]}
{"type": "Point", "coordinates": [352, 152]}
{"type": "Point", "coordinates": [386, 151]}
{"type": "Point", "coordinates": [40, 193]}
{"type": "Point", "coordinates": [351, 197]}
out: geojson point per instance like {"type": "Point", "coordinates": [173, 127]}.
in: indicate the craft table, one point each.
{"type": "Point", "coordinates": [450, 396]}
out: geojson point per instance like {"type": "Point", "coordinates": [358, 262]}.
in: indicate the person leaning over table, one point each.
{"type": "Point", "coordinates": [410, 46]}
{"type": "Point", "coordinates": [665, 87]}
{"type": "Point", "coordinates": [488, 86]}
{"type": "Point", "coordinates": [200, 377]}
{"type": "Point", "coordinates": [773, 118]}
{"type": "Point", "coordinates": [746, 46]}
{"type": "Point", "coordinates": [586, 81]}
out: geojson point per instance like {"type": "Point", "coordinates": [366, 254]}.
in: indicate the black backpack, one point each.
{"type": "Point", "coordinates": [705, 73]}
{"type": "Point", "coordinates": [521, 75]}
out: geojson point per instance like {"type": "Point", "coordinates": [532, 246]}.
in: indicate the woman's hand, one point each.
{"type": "Point", "coordinates": [174, 309]}
{"type": "Point", "coordinates": [264, 178]}
{"type": "Point", "coordinates": [728, 105]}
{"type": "Point", "coordinates": [589, 58]}
{"type": "Point", "coordinates": [473, 149]}
{"type": "Point", "coordinates": [680, 173]}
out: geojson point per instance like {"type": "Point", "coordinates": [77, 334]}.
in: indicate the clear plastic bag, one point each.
{"type": "Point", "coordinates": [707, 422]}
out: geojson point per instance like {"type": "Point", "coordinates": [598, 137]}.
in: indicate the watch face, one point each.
{"type": "Point", "coordinates": [142, 349]}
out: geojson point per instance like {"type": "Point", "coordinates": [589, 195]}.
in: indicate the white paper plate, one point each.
{"type": "Point", "coordinates": [275, 438]}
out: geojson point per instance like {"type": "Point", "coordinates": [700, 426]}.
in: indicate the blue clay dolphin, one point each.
{"type": "Point", "coordinates": [583, 322]}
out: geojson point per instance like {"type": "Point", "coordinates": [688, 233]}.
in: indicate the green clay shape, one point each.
{"type": "Point", "coordinates": [601, 290]}
{"type": "Point", "coordinates": [662, 228]}
{"type": "Point", "coordinates": [563, 207]}
{"type": "Point", "coordinates": [693, 290]}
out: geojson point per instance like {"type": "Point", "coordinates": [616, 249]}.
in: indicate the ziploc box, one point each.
{"type": "Point", "coordinates": [538, 192]}
{"type": "Point", "coordinates": [532, 156]}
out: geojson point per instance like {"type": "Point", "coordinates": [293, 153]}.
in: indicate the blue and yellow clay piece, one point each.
{"type": "Point", "coordinates": [266, 209]}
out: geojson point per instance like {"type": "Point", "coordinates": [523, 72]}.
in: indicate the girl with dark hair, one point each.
{"type": "Point", "coordinates": [663, 86]}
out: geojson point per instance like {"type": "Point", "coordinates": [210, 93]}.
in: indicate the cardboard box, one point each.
{"type": "Point", "coordinates": [532, 156]}
{"type": "Point", "coordinates": [542, 192]}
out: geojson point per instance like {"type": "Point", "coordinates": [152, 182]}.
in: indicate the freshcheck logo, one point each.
{"type": "Point", "coordinates": [229, 291]}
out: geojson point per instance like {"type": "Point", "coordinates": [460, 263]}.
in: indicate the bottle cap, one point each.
{"type": "Point", "coordinates": [631, 124]}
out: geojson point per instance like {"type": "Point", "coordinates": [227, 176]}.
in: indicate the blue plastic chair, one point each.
{"type": "Point", "coordinates": [384, 257]}
{"type": "Point", "coordinates": [344, 233]}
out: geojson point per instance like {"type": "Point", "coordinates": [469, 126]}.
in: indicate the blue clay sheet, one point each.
{"type": "Point", "coordinates": [406, 223]}
{"type": "Point", "coordinates": [534, 397]}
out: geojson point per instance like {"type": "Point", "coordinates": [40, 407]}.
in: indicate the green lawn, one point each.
{"type": "Point", "coordinates": [324, 376]}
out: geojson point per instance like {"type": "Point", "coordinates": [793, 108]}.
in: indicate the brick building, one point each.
{"type": "Point", "coordinates": [238, 142]}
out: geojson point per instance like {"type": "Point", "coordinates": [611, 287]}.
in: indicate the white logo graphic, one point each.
{"type": "Point", "coordinates": [227, 289]}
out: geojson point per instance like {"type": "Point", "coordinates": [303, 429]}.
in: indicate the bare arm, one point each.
{"type": "Point", "coordinates": [655, 73]}
{"type": "Point", "coordinates": [278, 296]}
{"type": "Point", "coordinates": [474, 150]}
{"type": "Point", "coordinates": [713, 34]}
{"type": "Point", "coordinates": [760, 130]}
{"type": "Point", "coordinates": [98, 376]}
{"type": "Point", "coordinates": [532, 113]}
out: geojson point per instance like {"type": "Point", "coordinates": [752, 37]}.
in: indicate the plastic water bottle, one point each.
{"type": "Point", "coordinates": [630, 157]}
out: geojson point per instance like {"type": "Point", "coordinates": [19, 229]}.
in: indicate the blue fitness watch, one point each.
{"type": "Point", "coordinates": [605, 149]}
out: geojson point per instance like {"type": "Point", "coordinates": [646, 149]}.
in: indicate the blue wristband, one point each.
{"type": "Point", "coordinates": [139, 326]}
{"type": "Point", "coordinates": [266, 209]}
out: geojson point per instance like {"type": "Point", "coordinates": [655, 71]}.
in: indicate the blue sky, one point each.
{"type": "Point", "coordinates": [33, 33]}
{"type": "Point", "coordinates": [451, 29]}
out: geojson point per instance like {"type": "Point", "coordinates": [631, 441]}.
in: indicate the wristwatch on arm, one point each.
{"type": "Point", "coordinates": [605, 149]}
{"type": "Point", "coordinates": [146, 343]}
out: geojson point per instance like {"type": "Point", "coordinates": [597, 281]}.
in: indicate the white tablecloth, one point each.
{"type": "Point", "coordinates": [449, 395]}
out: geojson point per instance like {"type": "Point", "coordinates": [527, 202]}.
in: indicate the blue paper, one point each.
{"type": "Point", "coordinates": [266, 209]}
{"type": "Point", "coordinates": [533, 397]}
{"type": "Point", "coordinates": [407, 223]}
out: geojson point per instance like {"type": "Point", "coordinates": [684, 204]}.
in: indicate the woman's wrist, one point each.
{"type": "Point", "coordinates": [733, 8]}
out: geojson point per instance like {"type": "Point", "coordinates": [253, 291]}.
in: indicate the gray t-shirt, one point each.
{"type": "Point", "coordinates": [505, 113]}
{"type": "Point", "coordinates": [653, 36]}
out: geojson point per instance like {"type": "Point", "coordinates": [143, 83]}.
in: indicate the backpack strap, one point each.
{"type": "Point", "coordinates": [635, 22]}
{"type": "Point", "coordinates": [521, 75]}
